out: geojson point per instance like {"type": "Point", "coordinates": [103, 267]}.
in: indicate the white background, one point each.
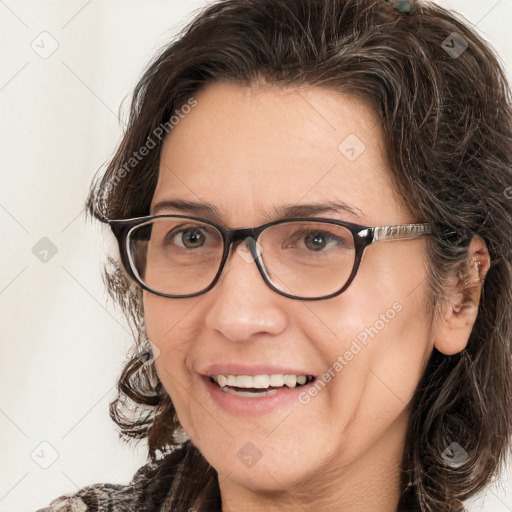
{"type": "Point", "coordinates": [62, 340]}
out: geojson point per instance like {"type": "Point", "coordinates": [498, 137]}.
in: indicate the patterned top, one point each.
{"type": "Point", "coordinates": [104, 497]}
{"type": "Point", "coordinates": [180, 480]}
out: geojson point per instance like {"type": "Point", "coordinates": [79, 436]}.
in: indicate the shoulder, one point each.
{"type": "Point", "coordinates": [93, 498]}
{"type": "Point", "coordinates": [157, 486]}
{"type": "Point", "coordinates": [104, 497]}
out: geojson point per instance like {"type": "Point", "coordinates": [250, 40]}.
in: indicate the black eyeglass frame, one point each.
{"type": "Point", "coordinates": [363, 236]}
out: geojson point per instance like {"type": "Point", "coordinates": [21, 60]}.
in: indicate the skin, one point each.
{"type": "Point", "coordinates": [249, 150]}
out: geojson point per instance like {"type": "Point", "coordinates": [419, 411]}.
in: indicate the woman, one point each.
{"type": "Point", "coordinates": [312, 203]}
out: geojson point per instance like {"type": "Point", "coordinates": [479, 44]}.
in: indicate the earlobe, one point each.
{"type": "Point", "coordinates": [455, 327]}
{"type": "Point", "coordinates": [460, 308]}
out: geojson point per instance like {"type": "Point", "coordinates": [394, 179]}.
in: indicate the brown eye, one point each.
{"type": "Point", "coordinates": [316, 241]}
{"type": "Point", "coordinates": [193, 238]}
{"type": "Point", "coordinates": [189, 238]}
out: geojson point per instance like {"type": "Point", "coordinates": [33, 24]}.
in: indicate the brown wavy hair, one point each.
{"type": "Point", "coordinates": [446, 121]}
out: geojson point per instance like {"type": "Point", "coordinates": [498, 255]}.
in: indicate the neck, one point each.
{"type": "Point", "coordinates": [367, 483]}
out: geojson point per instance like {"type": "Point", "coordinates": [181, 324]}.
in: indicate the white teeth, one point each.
{"type": "Point", "coordinates": [244, 381]}
{"type": "Point", "coordinates": [290, 380]}
{"type": "Point", "coordinates": [222, 380]}
{"type": "Point", "coordinates": [261, 381]}
{"type": "Point", "coordinates": [275, 380]}
{"type": "Point", "coordinates": [249, 393]}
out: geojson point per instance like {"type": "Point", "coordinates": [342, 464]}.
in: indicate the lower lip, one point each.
{"type": "Point", "coordinates": [257, 405]}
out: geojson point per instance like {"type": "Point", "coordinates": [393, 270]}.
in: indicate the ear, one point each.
{"type": "Point", "coordinates": [460, 307]}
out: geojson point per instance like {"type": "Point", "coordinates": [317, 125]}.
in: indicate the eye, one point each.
{"type": "Point", "coordinates": [314, 239]}
{"type": "Point", "coordinates": [188, 238]}
{"type": "Point", "coordinates": [317, 240]}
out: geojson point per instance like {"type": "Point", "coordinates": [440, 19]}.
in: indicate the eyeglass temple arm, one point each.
{"type": "Point", "coordinates": [400, 232]}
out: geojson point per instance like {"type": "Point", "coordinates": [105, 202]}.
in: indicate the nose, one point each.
{"type": "Point", "coordinates": [243, 306]}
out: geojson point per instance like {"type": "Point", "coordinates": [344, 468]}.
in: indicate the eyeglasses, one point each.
{"type": "Point", "coordinates": [178, 256]}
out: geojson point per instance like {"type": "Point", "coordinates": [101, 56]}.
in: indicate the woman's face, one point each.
{"type": "Point", "coordinates": [251, 152]}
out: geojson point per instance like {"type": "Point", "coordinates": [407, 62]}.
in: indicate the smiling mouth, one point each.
{"type": "Point", "coordinates": [259, 385]}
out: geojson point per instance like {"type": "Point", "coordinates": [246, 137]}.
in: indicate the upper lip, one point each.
{"type": "Point", "coordinates": [251, 369]}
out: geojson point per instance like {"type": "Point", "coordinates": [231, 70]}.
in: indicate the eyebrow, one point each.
{"type": "Point", "coordinates": [282, 212]}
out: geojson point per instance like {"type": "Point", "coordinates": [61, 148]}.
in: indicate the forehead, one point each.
{"type": "Point", "coordinates": [249, 150]}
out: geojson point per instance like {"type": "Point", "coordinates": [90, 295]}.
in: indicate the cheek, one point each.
{"type": "Point", "coordinates": [169, 321]}
{"type": "Point", "coordinates": [171, 327]}
{"type": "Point", "coordinates": [375, 339]}
{"type": "Point", "coordinates": [172, 331]}
{"type": "Point", "coordinates": [379, 352]}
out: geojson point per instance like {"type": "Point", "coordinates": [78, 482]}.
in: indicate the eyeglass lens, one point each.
{"type": "Point", "coordinates": [179, 256]}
